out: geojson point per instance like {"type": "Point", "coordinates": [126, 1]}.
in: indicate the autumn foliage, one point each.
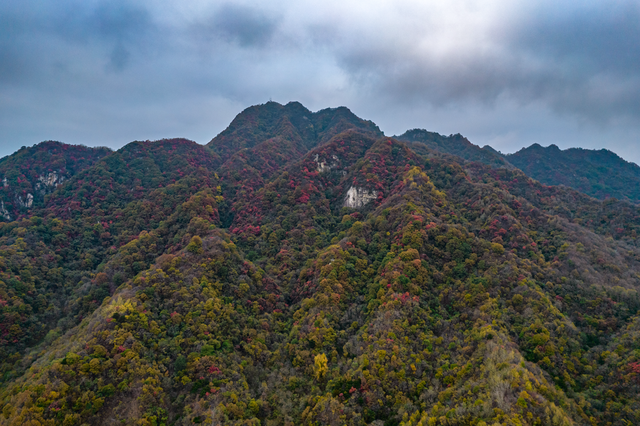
{"type": "Point", "coordinates": [170, 283]}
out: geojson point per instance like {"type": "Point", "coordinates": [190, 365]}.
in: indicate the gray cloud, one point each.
{"type": "Point", "coordinates": [580, 61]}
{"type": "Point", "coordinates": [120, 57]}
{"type": "Point", "coordinates": [508, 73]}
{"type": "Point", "coordinates": [590, 58]}
{"type": "Point", "coordinates": [600, 37]}
{"type": "Point", "coordinates": [83, 22]}
{"type": "Point", "coordinates": [243, 25]}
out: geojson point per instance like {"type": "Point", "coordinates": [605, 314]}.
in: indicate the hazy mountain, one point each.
{"type": "Point", "coordinates": [598, 173]}
{"type": "Point", "coordinates": [456, 145]}
{"type": "Point", "coordinates": [601, 174]}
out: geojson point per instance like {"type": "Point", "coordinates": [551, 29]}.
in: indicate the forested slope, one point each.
{"type": "Point", "coordinates": [456, 145]}
{"type": "Point", "coordinates": [289, 274]}
{"type": "Point", "coordinates": [599, 173]}
{"type": "Point", "coordinates": [28, 175]}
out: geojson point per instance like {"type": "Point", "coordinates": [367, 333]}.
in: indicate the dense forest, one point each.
{"type": "Point", "coordinates": [305, 269]}
{"type": "Point", "coordinates": [601, 174]}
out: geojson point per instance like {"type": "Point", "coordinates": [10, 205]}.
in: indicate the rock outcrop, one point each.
{"type": "Point", "coordinates": [27, 202]}
{"type": "Point", "coordinates": [359, 197]}
{"type": "Point", "coordinates": [3, 212]}
{"type": "Point", "coordinates": [49, 181]}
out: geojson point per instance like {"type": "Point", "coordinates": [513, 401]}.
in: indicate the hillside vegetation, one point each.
{"type": "Point", "coordinates": [601, 174]}
{"type": "Point", "coordinates": [304, 269]}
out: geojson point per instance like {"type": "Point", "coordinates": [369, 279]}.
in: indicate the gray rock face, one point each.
{"type": "Point", "coordinates": [359, 197]}
{"type": "Point", "coordinates": [3, 212]}
{"type": "Point", "coordinates": [49, 181]}
{"type": "Point", "coordinates": [325, 165]}
{"type": "Point", "coordinates": [328, 165]}
{"type": "Point", "coordinates": [27, 202]}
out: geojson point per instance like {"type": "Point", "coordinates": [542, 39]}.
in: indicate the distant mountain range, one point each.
{"type": "Point", "coordinates": [601, 174]}
{"type": "Point", "coordinates": [287, 131]}
{"type": "Point", "coordinates": [305, 269]}
{"type": "Point", "coordinates": [456, 145]}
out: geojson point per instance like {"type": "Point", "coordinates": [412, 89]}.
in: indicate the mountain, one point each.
{"type": "Point", "coordinates": [130, 174]}
{"type": "Point", "coordinates": [292, 121]}
{"type": "Point", "coordinates": [599, 173]}
{"type": "Point", "coordinates": [31, 173]}
{"type": "Point", "coordinates": [322, 273]}
{"type": "Point", "coordinates": [456, 145]}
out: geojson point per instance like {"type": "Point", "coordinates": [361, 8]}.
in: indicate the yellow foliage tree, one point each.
{"type": "Point", "coordinates": [320, 367]}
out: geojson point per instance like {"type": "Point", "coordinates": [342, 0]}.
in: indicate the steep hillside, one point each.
{"type": "Point", "coordinates": [129, 174]}
{"type": "Point", "coordinates": [51, 261]}
{"type": "Point", "coordinates": [600, 174]}
{"type": "Point", "coordinates": [31, 173]}
{"type": "Point", "coordinates": [336, 278]}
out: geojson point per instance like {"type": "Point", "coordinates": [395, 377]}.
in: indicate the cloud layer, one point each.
{"type": "Point", "coordinates": [506, 73]}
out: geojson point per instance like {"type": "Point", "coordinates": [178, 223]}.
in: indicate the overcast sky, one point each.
{"type": "Point", "coordinates": [506, 73]}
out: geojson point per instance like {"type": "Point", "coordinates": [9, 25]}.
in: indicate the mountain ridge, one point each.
{"type": "Point", "coordinates": [593, 167]}
{"type": "Point", "coordinates": [599, 173]}
{"type": "Point", "coordinates": [331, 277]}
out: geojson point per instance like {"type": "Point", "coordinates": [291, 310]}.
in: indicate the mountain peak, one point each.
{"type": "Point", "coordinates": [259, 123]}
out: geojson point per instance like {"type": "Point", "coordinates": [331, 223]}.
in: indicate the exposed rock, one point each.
{"type": "Point", "coordinates": [28, 202]}
{"type": "Point", "coordinates": [3, 212]}
{"type": "Point", "coordinates": [5, 183]}
{"type": "Point", "coordinates": [50, 180]}
{"type": "Point", "coordinates": [359, 197]}
{"type": "Point", "coordinates": [324, 166]}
